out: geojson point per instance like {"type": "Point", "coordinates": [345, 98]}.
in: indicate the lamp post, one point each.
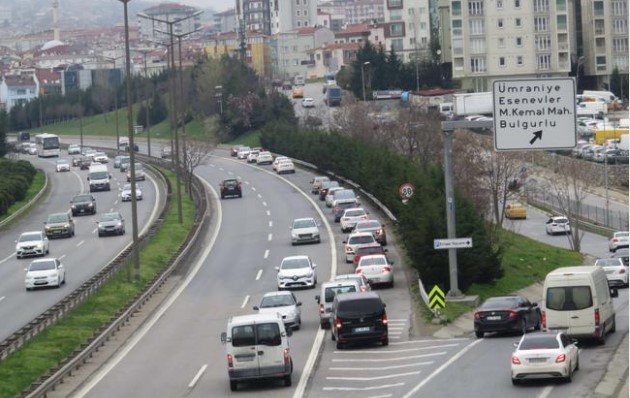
{"type": "Point", "coordinates": [174, 128]}
{"type": "Point", "coordinates": [366, 63]}
{"type": "Point", "coordinates": [113, 61]}
{"type": "Point", "coordinates": [132, 161]}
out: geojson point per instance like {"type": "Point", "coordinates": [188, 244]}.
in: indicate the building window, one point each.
{"type": "Point", "coordinates": [561, 21]}
{"type": "Point", "coordinates": [457, 27]}
{"type": "Point", "coordinates": [518, 23]}
{"type": "Point", "coordinates": [411, 11]}
{"type": "Point", "coordinates": [500, 23]}
{"type": "Point", "coordinates": [619, 27]}
{"type": "Point", "coordinates": [394, 4]}
{"type": "Point", "coordinates": [299, 24]}
{"type": "Point", "coordinates": [395, 15]}
{"type": "Point", "coordinates": [305, 12]}
{"type": "Point", "coordinates": [397, 44]}
{"type": "Point", "coordinates": [477, 65]}
{"type": "Point", "coordinates": [541, 5]}
{"type": "Point", "coordinates": [517, 3]}
{"type": "Point", "coordinates": [543, 43]}
{"type": "Point", "coordinates": [519, 60]}
{"type": "Point", "coordinates": [475, 8]}
{"type": "Point", "coordinates": [476, 26]}
{"type": "Point", "coordinates": [541, 24]}
{"type": "Point", "coordinates": [543, 61]}
{"type": "Point", "coordinates": [477, 46]}
{"type": "Point", "coordinates": [598, 8]}
{"type": "Point", "coordinates": [456, 8]}
{"type": "Point", "coordinates": [499, 4]}
{"type": "Point", "coordinates": [502, 62]}
{"type": "Point", "coordinates": [519, 42]}
{"type": "Point", "coordinates": [299, 13]}
{"type": "Point", "coordinates": [619, 8]}
{"type": "Point", "coordinates": [396, 29]}
{"type": "Point", "coordinates": [561, 5]}
{"type": "Point", "coordinates": [620, 45]}
{"type": "Point", "coordinates": [423, 26]}
{"type": "Point", "coordinates": [501, 42]}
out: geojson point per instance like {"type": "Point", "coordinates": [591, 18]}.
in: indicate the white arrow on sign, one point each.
{"type": "Point", "coordinates": [458, 243]}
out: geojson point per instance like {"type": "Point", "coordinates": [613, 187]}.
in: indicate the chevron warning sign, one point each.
{"type": "Point", "coordinates": [436, 298]}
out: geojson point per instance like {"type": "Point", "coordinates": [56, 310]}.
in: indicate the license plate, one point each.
{"type": "Point", "coordinates": [493, 318]}
{"type": "Point", "coordinates": [362, 329]}
{"type": "Point", "coordinates": [537, 360]}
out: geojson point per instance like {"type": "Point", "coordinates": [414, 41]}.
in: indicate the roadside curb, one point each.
{"type": "Point", "coordinates": [616, 375]}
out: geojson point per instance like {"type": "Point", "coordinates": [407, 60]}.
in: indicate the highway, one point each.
{"type": "Point", "coordinates": [82, 255]}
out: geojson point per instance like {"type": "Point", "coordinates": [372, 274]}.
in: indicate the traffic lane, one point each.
{"type": "Point", "coordinates": [228, 279]}
{"type": "Point", "coordinates": [82, 255]}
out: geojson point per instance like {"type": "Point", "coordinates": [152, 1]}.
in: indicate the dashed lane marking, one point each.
{"type": "Point", "coordinates": [259, 274]}
{"type": "Point", "coordinates": [435, 354]}
{"type": "Point", "coordinates": [388, 386]}
{"type": "Point", "coordinates": [380, 368]}
{"type": "Point", "coordinates": [373, 377]}
{"type": "Point", "coordinates": [266, 254]}
{"type": "Point", "coordinates": [245, 301]}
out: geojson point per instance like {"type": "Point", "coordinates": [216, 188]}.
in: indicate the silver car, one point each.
{"type": "Point", "coordinates": [284, 303]}
{"type": "Point", "coordinates": [296, 271]}
{"type": "Point", "coordinates": [305, 230]}
{"type": "Point", "coordinates": [32, 243]}
{"type": "Point", "coordinates": [125, 193]}
{"type": "Point", "coordinates": [111, 224]}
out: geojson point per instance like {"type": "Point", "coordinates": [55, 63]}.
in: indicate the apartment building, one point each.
{"type": "Point", "coordinates": [18, 89]}
{"type": "Point", "coordinates": [407, 28]}
{"type": "Point", "coordinates": [226, 21]}
{"type": "Point", "coordinates": [273, 16]}
{"type": "Point", "coordinates": [330, 58]}
{"type": "Point", "coordinates": [257, 49]}
{"type": "Point", "coordinates": [292, 50]}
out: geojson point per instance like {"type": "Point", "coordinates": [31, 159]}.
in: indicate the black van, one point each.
{"type": "Point", "coordinates": [358, 317]}
{"type": "Point", "coordinates": [24, 136]}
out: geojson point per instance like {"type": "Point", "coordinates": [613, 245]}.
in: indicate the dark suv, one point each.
{"type": "Point", "coordinates": [83, 204]}
{"type": "Point", "coordinates": [358, 317]}
{"type": "Point", "coordinates": [231, 187]}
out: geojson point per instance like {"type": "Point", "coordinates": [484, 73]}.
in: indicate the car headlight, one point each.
{"type": "Point", "coordinates": [91, 204]}
{"type": "Point", "coordinates": [74, 206]}
{"type": "Point", "coordinates": [66, 225]}
{"type": "Point", "coordinates": [47, 227]}
{"type": "Point", "coordinates": [39, 245]}
{"type": "Point", "coordinates": [119, 224]}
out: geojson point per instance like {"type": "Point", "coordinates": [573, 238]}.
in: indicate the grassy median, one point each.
{"type": "Point", "coordinates": [57, 342]}
{"type": "Point", "coordinates": [36, 186]}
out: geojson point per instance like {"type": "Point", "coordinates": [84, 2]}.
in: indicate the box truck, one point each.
{"type": "Point", "coordinates": [473, 104]}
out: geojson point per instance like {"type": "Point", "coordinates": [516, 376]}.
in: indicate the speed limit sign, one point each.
{"type": "Point", "coordinates": [406, 191]}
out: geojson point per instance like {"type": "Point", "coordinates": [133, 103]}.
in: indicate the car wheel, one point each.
{"type": "Point", "coordinates": [28, 289]}
{"type": "Point", "coordinates": [602, 337]}
{"type": "Point", "coordinates": [332, 335]}
{"type": "Point", "coordinates": [478, 334]}
{"type": "Point", "coordinates": [100, 234]}
{"type": "Point", "coordinates": [538, 322]}
{"type": "Point", "coordinates": [385, 341]}
{"type": "Point", "coordinates": [613, 329]}
{"type": "Point", "coordinates": [516, 382]}
{"type": "Point", "coordinates": [577, 363]}
{"type": "Point", "coordinates": [339, 345]}
{"type": "Point", "coordinates": [569, 377]}
{"type": "Point", "coordinates": [63, 282]}
{"type": "Point", "coordinates": [287, 381]}
{"type": "Point", "coordinates": [523, 326]}
{"type": "Point", "coordinates": [233, 385]}
{"type": "Point", "coordinates": [58, 282]}
{"type": "Point", "coordinates": [18, 256]}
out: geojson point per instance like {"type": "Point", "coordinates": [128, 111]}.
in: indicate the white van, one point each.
{"type": "Point", "coordinates": [578, 299]}
{"type": "Point", "coordinates": [257, 347]}
{"type": "Point", "coordinates": [327, 295]}
{"type": "Point", "coordinates": [99, 177]}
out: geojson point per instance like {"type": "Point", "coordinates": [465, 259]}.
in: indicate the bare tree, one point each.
{"type": "Point", "coordinates": [195, 154]}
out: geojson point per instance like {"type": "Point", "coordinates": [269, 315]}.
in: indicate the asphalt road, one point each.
{"type": "Point", "coordinates": [82, 255]}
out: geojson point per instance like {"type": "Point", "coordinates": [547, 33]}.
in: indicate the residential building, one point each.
{"type": "Point", "coordinates": [292, 55]}
{"type": "Point", "coordinates": [49, 81]}
{"type": "Point", "coordinates": [257, 49]}
{"type": "Point", "coordinates": [359, 11]}
{"type": "Point", "coordinates": [288, 15]}
{"type": "Point", "coordinates": [18, 89]}
{"type": "Point", "coordinates": [407, 28]}
{"type": "Point", "coordinates": [330, 58]}
{"type": "Point", "coordinates": [360, 33]}
{"type": "Point", "coordinates": [334, 12]}
{"type": "Point", "coordinates": [226, 21]}
{"type": "Point", "coordinates": [151, 29]}
{"type": "Point", "coordinates": [254, 16]}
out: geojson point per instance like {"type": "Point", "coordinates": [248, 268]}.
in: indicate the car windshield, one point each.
{"type": "Point", "coordinates": [354, 213]}
{"type": "Point", "coordinates": [281, 300]}
{"type": "Point", "coordinates": [621, 234]}
{"type": "Point", "coordinates": [42, 265]}
{"type": "Point", "coordinates": [380, 260]}
{"type": "Point", "coordinates": [298, 224]}
{"type": "Point", "coordinates": [127, 187]}
{"type": "Point", "coordinates": [606, 262]}
{"type": "Point", "coordinates": [569, 298]}
{"type": "Point", "coordinates": [368, 225]}
{"type": "Point", "coordinates": [539, 343]}
{"type": "Point", "coordinates": [57, 218]}
{"type": "Point", "coordinates": [329, 294]}
{"type": "Point", "coordinates": [82, 198]}
{"type": "Point", "coordinates": [30, 237]}
{"type": "Point", "coordinates": [230, 183]}
{"type": "Point", "coordinates": [296, 263]}
{"type": "Point", "coordinates": [501, 302]}
{"type": "Point", "coordinates": [560, 220]}
{"type": "Point", "coordinates": [355, 240]}
{"type": "Point", "coordinates": [110, 217]}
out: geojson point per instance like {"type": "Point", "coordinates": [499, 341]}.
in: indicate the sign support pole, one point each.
{"type": "Point", "coordinates": [450, 210]}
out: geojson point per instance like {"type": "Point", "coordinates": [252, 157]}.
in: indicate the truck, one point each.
{"type": "Point", "coordinates": [594, 106]}
{"type": "Point", "coordinates": [601, 135]}
{"type": "Point", "coordinates": [298, 80]}
{"type": "Point", "coordinates": [614, 103]}
{"type": "Point", "coordinates": [473, 104]}
{"type": "Point", "coordinates": [333, 96]}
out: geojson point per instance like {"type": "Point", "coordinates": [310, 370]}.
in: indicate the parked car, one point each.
{"type": "Point", "coordinates": [284, 303]}
{"type": "Point", "coordinates": [545, 355]}
{"type": "Point", "coordinates": [356, 240]}
{"type": "Point", "coordinates": [32, 243]}
{"type": "Point", "coordinates": [296, 271]}
{"type": "Point", "coordinates": [377, 268]}
{"type": "Point", "coordinates": [305, 230]}
{"type": "Point", "coordinates": [230, 187]}
{"type": "Point", "coordinates": [45, 272]}
{"type": "Point", "coordinates": [507, 314]}
{"type": "Point", "coordinates": [350, 217]}
{"type": "Point", "coordinates": [111, 224]}
{"type": "Point", "coordinates": [358, 318]}
{"type": "Point", "coordinates": [515, 210]}
{"type": "Point", "coordinates": [83, 204]}
{"type": "Point", "coordinates": [616, 270]}
{"type": "Point", "coordinates": [62, 165]}
{"type": "Point", "coordinates": [557, 225]}
{"type": "Point", "coordinates": [619, 240]}
{"type": "Point", "coordinates": [58, 225]}
{"type": "Point", "coordinates": [125, 193]}
{"type": "Point", "coordinates": [375, 227]}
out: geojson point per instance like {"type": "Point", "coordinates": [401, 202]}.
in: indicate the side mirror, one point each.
{"type": "Point", "coordinates": [344, 241]}
{"type": "Point", "coordinates": [534, 304]}
{"type": "Point", "coordinates": [515, 344]}
{"type": "Point", "coordinates": [224, 338]}
{"type": "Point", "coordinates": [277, 269]}
{"type": "Point", "coordinates": [60, 265]}
{"type": "Point", "coordinates": [574, 341]}
{"type": "Point", "coordinates": [25, 269]}
{"type": "Point", "coordinates": [614, 292]}
{"type": "Point", "coordinates": [385, 250]}
{"type": "Point", "coordinates": [88, 178]}
{"type": "Point", "coordinates": [289, 332]}
{"type": "Point", "coordinates": [298, 304]}
{"type": "Point", "coordinates": [314, 265]}
{"type": "Point", "coordinates": [256, 308]}
{"type": "Point", "coordinates": [391, 263]}
{"type": "Point", "coordinates": [317, 298]}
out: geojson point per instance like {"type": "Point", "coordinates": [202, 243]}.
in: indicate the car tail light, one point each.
{"type": "Point", "coordinates": [615, 240]}
{"type": "Point", "coordinates": [322, 309]}
{"type": "Point", "coordinates": [512, 314]}
{"type": "Point", "coordinates": [477, 316]}
{"type": "Point", "coordinates": [348, 249]}
{"type": "Point", "coordinates": [287, 358]}
{"type": "Point", "coordinates": [364, 288]}
{"type": "Point", "coordinates": [622, 270]}
{"type": "Point", "coordinates": [338, 323]}
{"type": "Point", "coordinates": [230, 360]}
{"type": "Point", "coordinates": [386, 269]}
{"type": "Point", "coordinates": [515, 360]}
{"type": "Point", "coordinates": [356, 259]}
{"type": "Point", "coordinates": [561, 358]}
{"type": "Point", "coordinates": [384, 318]}
{"type": "Point", "coordinates": [544, 320]}
{"type": "Point", "coordinates": [379, 231]}
{"type": "Point", "coordinates": [596, 315]}
{"type": "Point", "coordinates": [359, 271]}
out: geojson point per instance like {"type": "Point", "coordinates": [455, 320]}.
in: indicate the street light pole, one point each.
{"type": "Point", "coordinates": [366, 63]}
{"type": "Point", "coordinates": [132, 160]}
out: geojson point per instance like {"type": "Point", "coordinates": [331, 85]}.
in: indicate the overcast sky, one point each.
{"type": "Point", "coordinates": [218, 5]}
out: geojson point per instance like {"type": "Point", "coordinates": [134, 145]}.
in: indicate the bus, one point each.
{"type": "Point", "coordinates": [47, 145]}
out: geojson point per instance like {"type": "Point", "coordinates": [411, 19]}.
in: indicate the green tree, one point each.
{"type": "Point", "coordinates": [617, 83]}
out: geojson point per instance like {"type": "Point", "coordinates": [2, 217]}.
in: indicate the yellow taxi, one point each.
{"type": "Point", "coordinates": [515, 210]}
{"type": "Point", "coordinates": [298, 92]}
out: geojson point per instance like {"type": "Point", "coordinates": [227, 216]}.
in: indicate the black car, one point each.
{"type": "Point", "coordinates": [340, 207]}
{"type": "Point", "coordinates": [83, 204]}
{"type": "Point", "coordinates": [507, 314]}
{"type": "Point", "coordinates": [358, 318]}
{"type": "Point", "coordinates": [231, 187]}
{"type": "Point", "coordinates": [85, 162]}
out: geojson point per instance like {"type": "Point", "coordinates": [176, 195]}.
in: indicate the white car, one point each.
{"type": "Point", "coordinates": [251, 157]}
{"type": "Point", "coordinates": [44, 272]}
{"type": "Point", "coordinates": [351, 216]}
{"type": "Point", "coordinates": [264, 158]}
{"type": "Point", "coordinates": [616, 270]}
{"type": "Point", "coordinates": [557, 225]}
{"type": "Point", "coordinates": [139, 172]}
{"type": "Point", "coordinates": [619, 240]}
{"type": "Point", "coordinates": [125, 193]}
{"type": "Point", "coordinates": [32, 149]}
{"type": "Point", "coordinates": [32, 243]}
{"type": "Point", "coordinates": [277, 160]}
{"type": "Point", "coordinates": [285, 167]}
{"type": "Point", "coordinates": [243, 152]}
{"type": "Point", "coordinates": [305, 230]}
{"type": "Point", "coordinates": [377, 269]}
{"type": "Point", "coordinates": [331, 195]}
{"type": "Point", "coordinates": [308, 102]}
{"type": "Point", "coordinates": [62, 165]}
{"type": "Point", "coordinates": [296, 271]}
{"type": "Point", "coordinates": [74, 149]}
{"type": "Point", "coordinates": [545, 355]}
{"type": "Point", "coordinates": [283, 303]}
{"type": "Point", "coordinates": [356, 240]}
{"type": "Point", "coordinates": [100, 157]}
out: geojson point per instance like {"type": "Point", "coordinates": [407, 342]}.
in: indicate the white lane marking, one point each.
{"type": "Point", "coordinates": [387, 352]}
{"type": "Point", "coordinates": [264, 203]}
{"type": "Point", "coordinates": [94, 230]}
{"type": "Point", "coordinates": [213, 165]}
{"type": "Point", "coordinates": [247, 183]}
{"type": "Point", "coordinates": [221, 168]}
{"type": "Point", "coordinates": [270, 237]}
{"type": "Point", "coordinates": [266, 254]}
{"type": "Point", "coordinates": [230, 172]}
{"type": "Point", "coordinates": [197, 376]}
{"type": "Point", "coordinates": [431, 341]}
{"type": "Point", "coordinates": [270, 224]}
{"type": "Point", "coordinates": [441, 368]}
{"type": "Point", "coordinates": [268, 213]}
{"type": "Point", "coordinates": [7, 258]}
{"type": "Point", "coordinates": [131, 343]}
{"type": "Point", "coordinates": [545, 392]}
{"type": "Point", "coordinates": [362, 388]}
{"type": "Point", "coordinates": [61, 257]}
{"type": "Point", "coordinates": [259, 274]}
{"type": "Point", "coordinates": [245, 301]}
{"type": "Point", "coordinates": [80, 243]}
{"type": "Point", "coordinates": [435, 354]}
{"type": "Point", "coordinates": [373, 377]}
{"type": "Point", "coordinates": [380, 368]}
{"type": "Point", "coordinates": [2, 298]}
{"type": "Point", "coordinates": [259, 196]}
